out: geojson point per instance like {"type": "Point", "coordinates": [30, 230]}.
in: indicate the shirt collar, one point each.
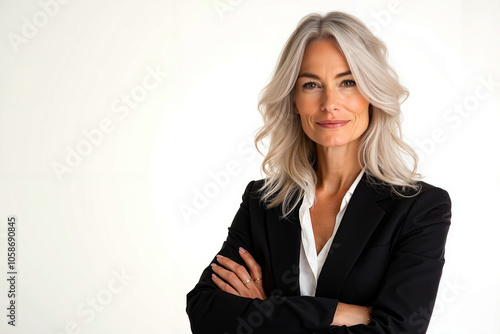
{"type": "Point", "coordinates": [351, 189]}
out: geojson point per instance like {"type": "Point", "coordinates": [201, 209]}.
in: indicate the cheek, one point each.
{"type": "Point", "coordinates": [360, 108]}
{"type": "Point", "coordinates": [305, 123]}
{"type": "Point", "coordinates": [305, 105]}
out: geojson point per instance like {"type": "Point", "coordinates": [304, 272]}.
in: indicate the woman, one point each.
{"type": "Point", "coordinates": [340, 237]}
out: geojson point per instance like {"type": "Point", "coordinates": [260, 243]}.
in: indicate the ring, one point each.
{"type": "Point", "coordinates": [257, 279]}
{"type": "Point", "coordinates": [247, 281]}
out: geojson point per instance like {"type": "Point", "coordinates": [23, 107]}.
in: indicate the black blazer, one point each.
{"type": "Point", "coordinates": [388, 253]}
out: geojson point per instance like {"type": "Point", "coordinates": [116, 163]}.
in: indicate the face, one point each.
{"type": "Point", "coordinates": [333, 113]}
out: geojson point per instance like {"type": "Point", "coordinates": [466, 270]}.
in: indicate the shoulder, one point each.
{"type": "Point", "coordinates": [423, 190]}
{"type": "Point", "coordinates": [255, 185]}
{"type": "Point", "coordinates": [428, 199]}
{"type": "Point", "coordinates": [253, 190]}
{"type": "Point", "coordinates": [426, 213]}
{"type": "Point", "coordinates": [430, 193]}
{"type": "Point", "coordinates": [432, 199]}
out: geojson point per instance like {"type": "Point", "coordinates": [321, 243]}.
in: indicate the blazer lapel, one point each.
{"type": "Point", "coordinates": [285, 249]}
{"type": "Point", "coordinates": [361, 218]}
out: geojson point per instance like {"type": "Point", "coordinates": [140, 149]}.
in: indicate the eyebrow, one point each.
{"type": "Point", "coordinates": [314, 76]}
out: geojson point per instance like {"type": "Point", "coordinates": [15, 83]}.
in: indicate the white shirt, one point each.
{"type": "Point", "coordinates": [311, 263]}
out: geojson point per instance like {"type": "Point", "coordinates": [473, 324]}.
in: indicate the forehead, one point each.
{"type": "Point", "coordinates": [323, 56]}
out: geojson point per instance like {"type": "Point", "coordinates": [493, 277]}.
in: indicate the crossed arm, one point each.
{"type": "Point", "coordinates": [234, 278]}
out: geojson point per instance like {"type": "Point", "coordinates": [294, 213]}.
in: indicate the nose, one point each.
{"type": "Point", "coordinates": [330, 100]}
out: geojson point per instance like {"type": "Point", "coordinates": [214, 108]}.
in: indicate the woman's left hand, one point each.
{"type": "Point", "coordinates": [234, 278]}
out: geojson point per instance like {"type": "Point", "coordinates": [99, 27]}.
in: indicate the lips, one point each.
{"type": "Point", "coordinates": [332, 124]}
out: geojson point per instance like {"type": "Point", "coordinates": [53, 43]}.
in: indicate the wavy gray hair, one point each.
{"type": "Point", "coordinates": [290, 161]}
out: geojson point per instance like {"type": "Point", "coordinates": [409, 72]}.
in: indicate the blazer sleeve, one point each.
{"type": "Point", "coordinates": [211, 310]}
{"type": "Point", "coordinates": [406, 299]}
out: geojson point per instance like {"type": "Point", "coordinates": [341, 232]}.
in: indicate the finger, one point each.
{"type": "Point", "coordinates": [253, 266]}
{"type": "Point", "coordinates": [255, 270]}
{"type": "Point", "coordinates": [369, 315]}
{"type": "Point", "coordinates": [236, 269]}
{"type": "Point", "coordinates": [223, 285]}
{"type": "Point", "coordinates": [231, 278]}
{"type": "Point", "coordinates": [239, 278]}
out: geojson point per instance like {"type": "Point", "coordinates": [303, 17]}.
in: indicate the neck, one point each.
{"type": "Point", "coordinates": [338, 167]}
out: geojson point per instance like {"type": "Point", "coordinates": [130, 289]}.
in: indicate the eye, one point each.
{"type": "Point", "coordinates": [348, 83]}
{"type": "Point", "coordinates": [310, 85]}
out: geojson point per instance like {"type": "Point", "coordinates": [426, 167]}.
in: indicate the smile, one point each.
{"type": "Point", "coordinates": [333, 124]}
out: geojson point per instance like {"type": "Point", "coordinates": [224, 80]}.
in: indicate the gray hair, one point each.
{"type": "Point", "coordinates": [289, 162]}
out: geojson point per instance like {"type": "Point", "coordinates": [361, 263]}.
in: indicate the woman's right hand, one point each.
{"type": "Point", "coordinates": [233, 278]}
{"type": "Point", "coordinates": [350, 315]}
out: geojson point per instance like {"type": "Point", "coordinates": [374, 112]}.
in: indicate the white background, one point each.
{"type": "Point", "coordinates": [116, 210]}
